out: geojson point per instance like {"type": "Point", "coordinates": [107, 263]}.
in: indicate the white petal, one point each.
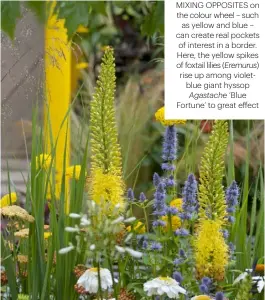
{"type": "Point", "coordinates": [71, 229]}
{"type": "Point", "coordinates": [260, 285]}
{"type": "Point", "coordinates": [92, 247]}
{"type": "Point", "coordinates": [134, 253]}
{"type": "Point", "coordinates": [118, 220]}
{"type": "Point", "coordinates": [240, 277]}
{"type": "Point", "coordinates": [129, 220]}
{"type": "Point", "coordinates": [120, 249]}
{"type": "Point", "coordinates": [74, 216]}
{"type": "Point", "coordinates": [66, 250]}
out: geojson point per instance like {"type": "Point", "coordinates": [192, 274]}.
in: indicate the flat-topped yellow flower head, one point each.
{"type": "Point", "coordinates": [8, 199]}
{"type": "Point", "coordinates": [175, 223]}
{"type": "Point", "coordinates": [177, 203]}
{"type": "Point", "coordinates": [138, 228]}
{"type": "Point", "coordinates": [160, 117]}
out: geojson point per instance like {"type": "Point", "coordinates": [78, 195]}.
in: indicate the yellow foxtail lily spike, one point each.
{"type": "Point", "coordinates": [58, 91]}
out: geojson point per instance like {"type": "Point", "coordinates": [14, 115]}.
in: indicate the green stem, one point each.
{"type": "Point", "coordinates": [146, 220]}
{"type": "Point", "coordinates": [112, 276]}
{"type": "Point", "coordinates": [99, 283]}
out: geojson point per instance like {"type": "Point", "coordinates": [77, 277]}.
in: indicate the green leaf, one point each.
{"type": "Point", "coordinates": [98, 7]}
{"type": "Point", "coordinates": [10, 12]}
{"type": "Point", "coordinates": [154, 22]}
{"type": "Point", "coordinates": [74, 13]}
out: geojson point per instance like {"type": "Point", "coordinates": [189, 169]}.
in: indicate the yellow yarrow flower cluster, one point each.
{"type": "Point", "coordinates": [211, 251]}
{"type": "Point", "coordinates": [16, 212]}
{"type": "Point", "coordinates": [160, 116]}
{"type": "Point", "coordinates": [138, 228]}
{"type": "Point", "coordinates": [175, 223]}
{"type": "Point", "coordinates": [106, 190]}
{"type": "Point", "coordinates": [8, 199]}
{"type": "Point", "coordinates": [177, 203]}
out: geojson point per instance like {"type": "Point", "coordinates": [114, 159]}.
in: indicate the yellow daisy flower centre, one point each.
{"type": "Point", "coordinates": [202, 297]}
{"type": "Point", "coordinates": [93, 269]}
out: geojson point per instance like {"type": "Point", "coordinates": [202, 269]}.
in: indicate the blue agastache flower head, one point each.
{"type": "Point", "coordinates": [170, 182]}
{"type": "Point", "coordinates": [232, 247]}
{"type": "Point", "coordinates": [145, 244]}
{"type": "Point", "coordinates": [189, 196]}
{"type": "Point", "coordinates": [156, 246]}
{"type": "Point", "coordinates": [168, 167]}
{"type": "Point", "coordinates": [207, 281]}
{"type": "Point", "coordinates": [169, 152]}
{"type": "Point", "coordinates": [142, 197]}
{"type": "Point", "coordinates": [219, 296]}
{"type": "Point", "coordinates": [177, 261]}
{"type": "Point", "coordinates": [204, 289]}
{"type": "Point", "coordinates": [177, 276]}
{"type": "Point", "coordinates": [172, 210]}
{"type": "Point", "coordinates": [181, 232]}
{"type": "Point", "coordinates": [185, 215]}
{"type": "Point", "coordinates": [130, 194]}
{"type": "Point", "coordinates": [231, 219]}
{"type": "Point", "coordinates": [182, 253]}
{"type": "Point", "coordinates": [231, 194]}
{"type": "Point", "coordinates": [158, 223]}
{"type": "Point", "coordinates": [225, 233]}
{"type": "Point", "coordinates": [159, 201]}
{"type": "Point", "coordinates": [156, 179]}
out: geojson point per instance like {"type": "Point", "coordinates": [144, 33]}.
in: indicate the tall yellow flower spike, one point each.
{"type": "Point", "coordinates": [43, 161]}
{"type": "Point", "coordinates": [73, 172]}
{"type": "Point", "coordinates": [160, 116]}
{"type": "Point", "coordinates": [106, 190]}
{"type": "Point", "coordinates": [58, 91]}
{"type": "Point", "coordinates": [211, 250]}
{"type": "Point", "coordinates": [105, 183]}
{"type": "Point", "coordinates": [8, 199]}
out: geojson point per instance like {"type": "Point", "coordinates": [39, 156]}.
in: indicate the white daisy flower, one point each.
{"type": "Point", "coordinates": [89, 280]}
{"type": "Point", "coordinates": [164, 285]}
